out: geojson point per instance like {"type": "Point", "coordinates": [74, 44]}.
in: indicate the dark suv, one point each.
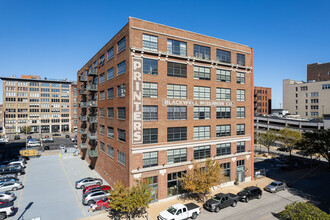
{"type": "Point", "coordinates": [11, 170]}
{"type": "Point", "coordinates": [248, 193]}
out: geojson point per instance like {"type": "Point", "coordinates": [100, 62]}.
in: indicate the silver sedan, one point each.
{"type": "Point", "coordinates": [7, 196]}
{"type": "Point", "coordinates": [7, 186]}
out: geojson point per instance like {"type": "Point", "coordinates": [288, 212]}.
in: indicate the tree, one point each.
{"type": "Point", "coordinates": [268, 139]}
{"type": "Point", "coordinates": [119, 198]}
{"type": "Point", "coordinates": [289, 138]}
{"type": "Point", "coordinates": [26, 129]}
{"type": "Point", "coordinates": [303, 210]}
{"type": "Point", "coordinates": [201, 178]}
{"type": "Point", "coordinates": [317, 142]}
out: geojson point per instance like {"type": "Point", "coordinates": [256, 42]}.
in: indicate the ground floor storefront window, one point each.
{"type": "Point", "coordinates": [44, 128]}
{"type": "Point", "coordinates": [240, 170]}
{"type": "Point", "coordinates": [153, 183]}
{"type": "Point", "coordinates": [226, 171]}
{"type": "Point", "coordinates": [65, 128]}
{"type": "Point", "coordinates": [55, 128]}
{"type": "Point", "coordinates": [174, 186]}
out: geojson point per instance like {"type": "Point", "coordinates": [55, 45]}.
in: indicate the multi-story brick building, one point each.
{"type": "Point", "coordinates": [1, 120]}
{"type": "Point", "coordinates": [155, 98]}
{"type": "Point", "coordinates": [318, 72]}
{"type": "Point", "coordinates": [262, 100]}
{"type": "Point", "coordinates": [42, 104]}
{"type": "Point", "coordinates": [74, 107]}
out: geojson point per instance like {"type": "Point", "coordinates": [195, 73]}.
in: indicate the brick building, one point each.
{"type": "Point", "coordinates": [318, 72]}
{"type": "Point", "coordinates": [155, 98]}
{"type": "Point", "coordinates": [262, 100]}
{"type": "Point", "coordinates": [1, 120]}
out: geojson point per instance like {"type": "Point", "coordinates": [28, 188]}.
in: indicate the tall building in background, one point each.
{"type": "Point", "coordinates": [262, 100]}
{"type": "Point", "coordinates": [318, 72]}
{"type": "Point", "coordinates": [310, 100]}
{"type": "Point", "coordinates": [1, 120]}
{"type": "Point", "coordinates": [42, 104]}
{"type": "Point", "coordinates": [155, 98]}
{"type": "Point", "coordinates": [74, 107]}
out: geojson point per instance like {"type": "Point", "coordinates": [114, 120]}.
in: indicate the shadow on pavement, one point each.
{"type": "Point", "coordinates": [26, 208]}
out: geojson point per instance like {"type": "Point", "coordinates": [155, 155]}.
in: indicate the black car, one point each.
{"type": "Point", "coordinates": [283, 149]}
{"type": "Point", "coordinates": [29, 137]}
{"type": "Point", "coordinates": [17, 137]}
{"type": "Point", "coordinates": [248, 193]}
{"type": "Point", "coordinates": [67, 136]}
{"type": "Point", "coordinates": [56, 134]}
{"type": "Point", "coordinates": [11, 170]}
{"type": "Point", "coordinates": [221, 201]}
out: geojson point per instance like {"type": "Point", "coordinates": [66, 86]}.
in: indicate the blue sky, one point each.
{"type": "Point", "coordinates": [54, 38]}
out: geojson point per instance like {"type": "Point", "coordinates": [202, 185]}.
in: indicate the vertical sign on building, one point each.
{"type": "Point", "coordinates": [137, 100]}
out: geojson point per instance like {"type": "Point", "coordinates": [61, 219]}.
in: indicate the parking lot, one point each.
{"type": "Point", "coordinates": [49, 191]}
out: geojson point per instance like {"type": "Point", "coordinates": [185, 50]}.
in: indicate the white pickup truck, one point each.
{"type": "Point", "coordinates": [180, 211]}
{"type": "Point", "coordinates": [6, 209]}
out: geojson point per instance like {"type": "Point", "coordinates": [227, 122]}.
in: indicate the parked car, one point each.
{"type": "Point", "coordinates": [275, 186]}
{"type": "Point", "coordinates": [93, 197]}
{"type": "Point", "coordinates": [102, 204]}
{"type": "Point", "coordinates": [17, 137]}
{"type": "Point", "coordinates": [6, 186]}
{"type": "Point", "coordinates": [180, 211]}
{"type": "Point", "coordinates": [4, 140]}
{"type": "Point", "coordinates": [11, 170]}
{"type": "Point", "coordinates": [283, 149]}
{"type": "Point", "coordinates": [18, 162]}
{"type": "Point", "coordinates": [74, 139]}
{"type": "Point", "coordinates": [67, 136]}
{"type": "Point", "coordinates": [6, 209]}
{"type": "Point", "coordinates": [93, 187]}
{"type": "Point", "coordinates": [56, 134]}
{"type": "Point", "coordinates": [88, 181]}
{"type": "Point", "coordinates": [3, 201]}
{"type": "Point", "coordinates": [19, 158]}
{"type": "Point", "coordinates": [220, 201]}
{"type": "Point", "coordinates": [29, 137]}
{"type": "Point", "coordinates": [249, 193]}
{"type": "Point", "coordinates": [47, 140]}
{"type": "Point", "coordinates": [8, 179]}
{"type": "Point", "coordinates": [46, 136]}
{"type": "Point", "coordinates": [9, 176]}
{"type": "Point", "coordinates": [33, 144]}
{"type": "Point", "coordinates": [7, 196]}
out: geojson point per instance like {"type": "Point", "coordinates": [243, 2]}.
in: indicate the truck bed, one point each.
{"type": "Point", "coordinates": [191, 206]}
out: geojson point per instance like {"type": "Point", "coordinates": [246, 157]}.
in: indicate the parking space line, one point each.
{"type": "Point", "coordinates": [74, 192]}
{"type": "Point", "coordinates": [21, 192]}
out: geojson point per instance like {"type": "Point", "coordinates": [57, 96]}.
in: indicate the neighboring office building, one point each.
{"type": "Point", "coordinates": [318, 72]}
{"type": "Point", "coordinates": [1, 119]}
{"type": "Point", "coordinates": [310, 100]}
{"type": "Point", "coordinates": [42, 104]}
{"type": "Point", "coordinates": [262, 100]}
{"type": "Point", "coordinates": [189, 97]}
{"type": "Point", "coordinates": [74, 107]}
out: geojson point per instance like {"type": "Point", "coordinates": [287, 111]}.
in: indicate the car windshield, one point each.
{"type": "Point", "coordinates": [244, 191]}
{"type": "Point", "coordinates": [216, 198]}
{"type": "Point", "coordinates": [273, 184]}
{"type": "Point", "coordinates": [171, 210]}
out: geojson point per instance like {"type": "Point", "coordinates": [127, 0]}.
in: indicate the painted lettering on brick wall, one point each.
{"type": "Point", "coordinates": [197, 102]}
{"type": "Point", "coordinates": [137, 100]}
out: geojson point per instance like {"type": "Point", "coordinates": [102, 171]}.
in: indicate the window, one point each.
{"type": "Point", "coordinates": [240, 129]}
{"type": "Point", "coordinates": [202, 152]}
{"type": "Point", "coordinates": [176, 91]}
{"type": "Point", "coordinates": [121, 157]}
{"type": "Point", "coordinates": [176, 113]}
{"type": "Point", "coordinates": [150, 90]}
{"type": "Point", "coordinates": [121, 44]}
{"type": "Point", "coordinates": [304, 88]}
{"type": "Point", "coordinates": [223, 130]}
{"type": "Point", "coordinates": [326, 86]}
{"type": "Point", "coordinates": [241, 59]}
{"type": "Point", "coordinates": [102, 78]}
{"type": "Point", "coordinates": [111, 133]}
{"type": "Point", "coordinates": [314, 101]}
{"type": "Point", "coordinates": [240, 96]}
{"type": "Point", "coordinates": [240, 77]}
{"type": "Point", "coordinates": [150, 66]}
{"type": "Point", "coordinates": [226, 171]}
{"type": "Point", "coordinates": [223, 149]}
{"type": "Point", "coordinates": [110, 113]}
{"type": "Point", "coordinates": [203, 93]}
{"type": "Point", "coordinates": [150, 159]}
{"type": "Point", "coordinates": [150, 113]}
{"type": "Point", "coordinates": [202, 132]}
{"type": "Point", "coordinates": [223, 75]}
{"type": "Point", "coordinates": [314, 94]}
{"type": "Point", "coordinates": [111, 152]}
{"type": "Point", "coordinates": [110, 93]}
{"type": "Point", "coordinates": [223, 56]}
{"type": "Point", "coordinates": [176, 47]}
{"type": "Point", "coordinates": [110, 53]}
{"type": "Point", "coordinates": [203, 73]}
{"type": "Point", "coordinates": [121, 113]}
{"type": "Point", "coordinates": [122, 68]}
{"type": "Point", "coordinates": [223, 94]}
{"type": "Point", "coordinates": [176, 156]}
{"type": "Point", "coordinates": [314, 107]}
{"type": "Point", "coordinates": [176, 134]}
{"type": "Point", "coordinates": [240, 163]}
{"type": "Point", "coordinates": [177, 69]}
{"type": "Point", "coordinates": [121, 90]}
{"type": "Point", "coordinates": [102, 112]}
{"type": "Point", "coordinates": [314, 114]}
{"type": "Point", "coordinates": [202, 112]}
{"type": "Point", "coordinates": [150, 135]}
{"type": "Point", "coordinates": [240, 112]}
{"type": "Point", "coordinates": [102, 148]}
{"type": "Point", "coordinates": [110, 73]}
{"type": "Point", "coordinates": [150, 42]}
{"type": "Point", "coordinates": [240, 146]}
{"type": "Point", "coordinates": [121, 135]}
{"type": "Point", "coordinates": [102, 95]}
{"type": "Point", "coordinates": [202, 52]}
{"type": "Point", "coordinates": [223, 112]}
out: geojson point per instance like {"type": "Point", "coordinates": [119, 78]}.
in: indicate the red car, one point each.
{"type": "Point", "coordinates": [4, 201]}
{"type": "Point", "coordinates": [101, 204]}
{"type": "Point", "coordinates": [96, 187]}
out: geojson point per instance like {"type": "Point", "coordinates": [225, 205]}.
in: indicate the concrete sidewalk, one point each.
{"type": "Point", "coordinates": [156, 208]}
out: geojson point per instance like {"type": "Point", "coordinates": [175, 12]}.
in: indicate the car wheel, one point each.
{"type": "Point", "coordinates": [234, 204]}
{"type": "Point", "coordinates": [3, 215]}
{"type": "Point", "coordinates": [83, 187]}
{"type": "Point", "coordinates": [247, 199]}
{"type": "Point", "coordinates": [90, 202]}
{"type": "Point", "coordinates": [259, 196]}
{"type": "Point", "coordinates": [15, 188]}
{"type": "Point", "coordinates": [194, 215]}
{"type": "Point", "coordinates": [217, 209]}
{"type": "Point", "coordinates": [99, 183]}
{"type": "Point", "coordinates": [103, 208]}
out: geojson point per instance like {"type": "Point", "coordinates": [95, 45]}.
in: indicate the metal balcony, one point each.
{"type": "Point", "coordinates": [92, 153]}
{"type": "Point", "coordinates": [92, 104]}
{"type": "Point", "coordinates": [92, 136]}
{"type": "Point", "coordinates": [83, 105]}
{"type": "Point", "coordinates": [83, 118]}
{"type": "Point", "coordinates": [92, 119]}
{"type": "Point", "coordinates": [82, 131]}
{"type": "Point", "coordinates": [92, 87]}
{"type": "Point", "coordinates": [92, 72]}
{"type": "Point", "coordinates": [83, 145]}
{"type": "Point", "coordinates": [83, 79]}
{"type": "Point", "coordinates": [82, 92]}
